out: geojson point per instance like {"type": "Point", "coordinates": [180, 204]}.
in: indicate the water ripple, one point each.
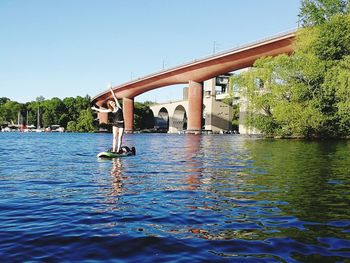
{"type": "Point", "coordinates": [181, 198]}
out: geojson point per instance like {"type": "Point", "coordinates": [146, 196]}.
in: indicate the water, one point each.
{"type": "Point", "coordinates": [182, 198]}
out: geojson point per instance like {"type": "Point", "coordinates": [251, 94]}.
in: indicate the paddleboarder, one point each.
{"type": "Point", "coordinates": [116, 110]}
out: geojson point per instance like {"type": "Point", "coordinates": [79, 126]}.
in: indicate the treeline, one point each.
{"type": "Point", "coordinates": [73, 114]}
{"type": "Point", "coordinates": [306, 94]}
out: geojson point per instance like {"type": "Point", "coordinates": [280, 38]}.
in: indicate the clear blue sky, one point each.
{"type": "Point", "coordinates": [69, 48]}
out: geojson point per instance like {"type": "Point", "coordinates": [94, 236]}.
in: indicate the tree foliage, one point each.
{"type": "Point", "coordinates": [74, 114]}
{"type": "Point", "coordinates": [50, 112]}
{"type": "Point", "coordinates": [305, 94]}
{"type": "Point", "coordinates": [143, 116]}
{"type": "Point", "coordinates": [317, 12]}
{"type": "Point", "coordinates": [85, 121]}
{"type": "Point", "coordinates": [9, 110]}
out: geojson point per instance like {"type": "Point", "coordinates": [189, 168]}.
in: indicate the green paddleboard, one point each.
{"type": "Point", "coordinates": [125, 153]}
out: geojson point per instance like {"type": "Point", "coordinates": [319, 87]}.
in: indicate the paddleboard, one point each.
{"type": "Point", "coordinates": [126, 151]}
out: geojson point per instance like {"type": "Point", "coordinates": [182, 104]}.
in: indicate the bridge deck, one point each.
{"type": "Point", "coordinates": [205, 68]}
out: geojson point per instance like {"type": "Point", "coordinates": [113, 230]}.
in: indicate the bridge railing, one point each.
{"type": "Point", "coordinates": [218, 54]}
{"type": "Point", "coordinates": [195, 61]}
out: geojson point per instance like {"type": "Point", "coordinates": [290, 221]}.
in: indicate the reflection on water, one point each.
{"type": "Point", "coordinates": [181, 198]}
{"type": "Point", "coordinates": [312, 177]}
{"type": "Point", "coordinates": [117, 176]}
{"type": "Point", "coordinates": [194, 167]}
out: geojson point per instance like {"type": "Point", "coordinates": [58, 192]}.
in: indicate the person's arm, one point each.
{"type": "Point", "coordinates": [115, 98]}
{"type": "Point", "coordinates": [100, 109]}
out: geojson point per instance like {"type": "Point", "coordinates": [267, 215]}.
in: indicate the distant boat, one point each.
{"type": "Point", "coordinates": [6, 129]}
{"type": "Point", "coordinates": [29, 128]}
{"type": "Point", "coordinates": [57, 128]}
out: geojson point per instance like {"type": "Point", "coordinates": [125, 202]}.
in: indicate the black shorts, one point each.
{"type": "Point", "coordinates": [119, 124]}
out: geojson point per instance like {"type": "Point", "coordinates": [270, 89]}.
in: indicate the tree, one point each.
{"type": "Point", "coordinates": [9, 111]}
{"type": "Point", "coordinates": [53, 110]}
{"type": "Point", "coordinates": [72, 126]}
{"type": "Point", "coordinates": [74, 114]}
{"type": "Point", "coordinates": [305, 94]}
{"type": "Point", "coordinates": [85, 121]}
{"type": "Point", "coordinates": [32, 108]}
{"type": "Point", "coordinates": [282, 95]}
{"type": "Point", "coordinates": [333, 39]}
{"type": "Point", "coordinates": [63, 120]}
{"type": "Point", "coordinates": [71, 108]}
{"type": "Point", "coordinates": [3, 100]}
{"type": "Point", "coordinates": [317, 12]}
{"type": "Point", "coordinates": [337, 87]}
{"type": "Point", "coordinates": [82, 103]}
{"type": "Point", "coordinates": [143, 116]}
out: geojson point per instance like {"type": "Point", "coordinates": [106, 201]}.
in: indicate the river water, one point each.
{"type": "Point", "coordinates": [182, 198]}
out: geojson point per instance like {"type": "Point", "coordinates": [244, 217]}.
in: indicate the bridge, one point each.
{"type": "Point", "coordinates": [217, 115]}
{"type": "Point", "coordinates": [193, 74]}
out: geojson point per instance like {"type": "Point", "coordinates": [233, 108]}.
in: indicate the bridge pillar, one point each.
{"type": "Point", "coordinates": [195, 107]}
{"type": "Point", "coordinates": [128, 109]}
{"type": "Point", "coordinates": [102, 117]}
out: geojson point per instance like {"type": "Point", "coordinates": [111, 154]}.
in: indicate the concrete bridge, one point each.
{"type": "Point", "coordinates": [194, 74]}
{"type": "Point", "coordinates": [217, 115]}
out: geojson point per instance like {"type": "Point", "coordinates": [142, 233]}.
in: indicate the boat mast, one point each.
{"type": "Point", "coordinates": [38, 119]}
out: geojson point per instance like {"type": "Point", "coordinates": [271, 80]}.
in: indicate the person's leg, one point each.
{"type": "Point", "coordinates": [115, 134]}
{"type": "Point", "coordinates": [120, 138]}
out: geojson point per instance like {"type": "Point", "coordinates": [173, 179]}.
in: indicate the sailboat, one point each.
{"type": "Point", "coordinates": [29, 128]}
{"type": "Point", "coordinates": [38, 129]}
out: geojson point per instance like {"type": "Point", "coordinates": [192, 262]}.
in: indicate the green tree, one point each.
{"type": "Point", "coordinates": [73, 114]}
{"type": "Point", "coordinates": [333, 39]}
{"type": "Point", "coordinates": [9, 111]}
{"type": "Point", "coordinates": [71, 108]}
{"type": "Point", "coordinates": [305, 94]}
{"type": "Point", "coordinates": [32, 108]}
{"type": "Point", "coordinates": [63, 120]}
{"type": "Point", "coordinates": [337, 87]}
{"type": "Point", "coordinates": [82, 103]}
{"type": "Point", "coordinates": [3, 100]}
{"type": "Point", "coordinates": [143, 116]}
{"type": "Point", "coordinates": [281, 101]}
{"type": "Point", "coordinates": [53, 110]}
{"type": "Point", "coordinates": [317, 12]}
{"type": "Point", "coordinates": [72, 126]}
{"type": "Point", "coordinates": [85, 121]}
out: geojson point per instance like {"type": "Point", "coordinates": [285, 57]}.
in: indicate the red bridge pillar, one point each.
{"type": "Point", "coordinates": [128, 108]}
{"type": "Point", "coordinates": [195, 107]}
{"type": "Point", "coordinates": [102, 116]}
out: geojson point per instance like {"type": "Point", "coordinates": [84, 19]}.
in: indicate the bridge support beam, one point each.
{"type": "Point", "coordinates": [102, 117]}
{"type": "Point", "coordinates": [195, 107]}
{"type": "Point", "coordinates": [128, 109]}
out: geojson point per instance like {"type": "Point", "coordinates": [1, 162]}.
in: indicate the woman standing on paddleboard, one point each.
{"type": "Point", "coordinates": [118, 120]}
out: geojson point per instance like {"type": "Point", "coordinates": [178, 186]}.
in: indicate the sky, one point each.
{"type": "Point", "coordinates": [69, 48]}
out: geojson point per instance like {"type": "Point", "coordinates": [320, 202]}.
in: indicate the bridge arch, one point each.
{"type": "Point", "coordinates": [204, 114]}
{"type": "Point", "coordinates": [162, 119]}
{"type": "Point", "coordinates": [179, 119]}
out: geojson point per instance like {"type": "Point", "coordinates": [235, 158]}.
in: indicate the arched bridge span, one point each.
{"type": "Point", "coordinates": [195, 72]}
